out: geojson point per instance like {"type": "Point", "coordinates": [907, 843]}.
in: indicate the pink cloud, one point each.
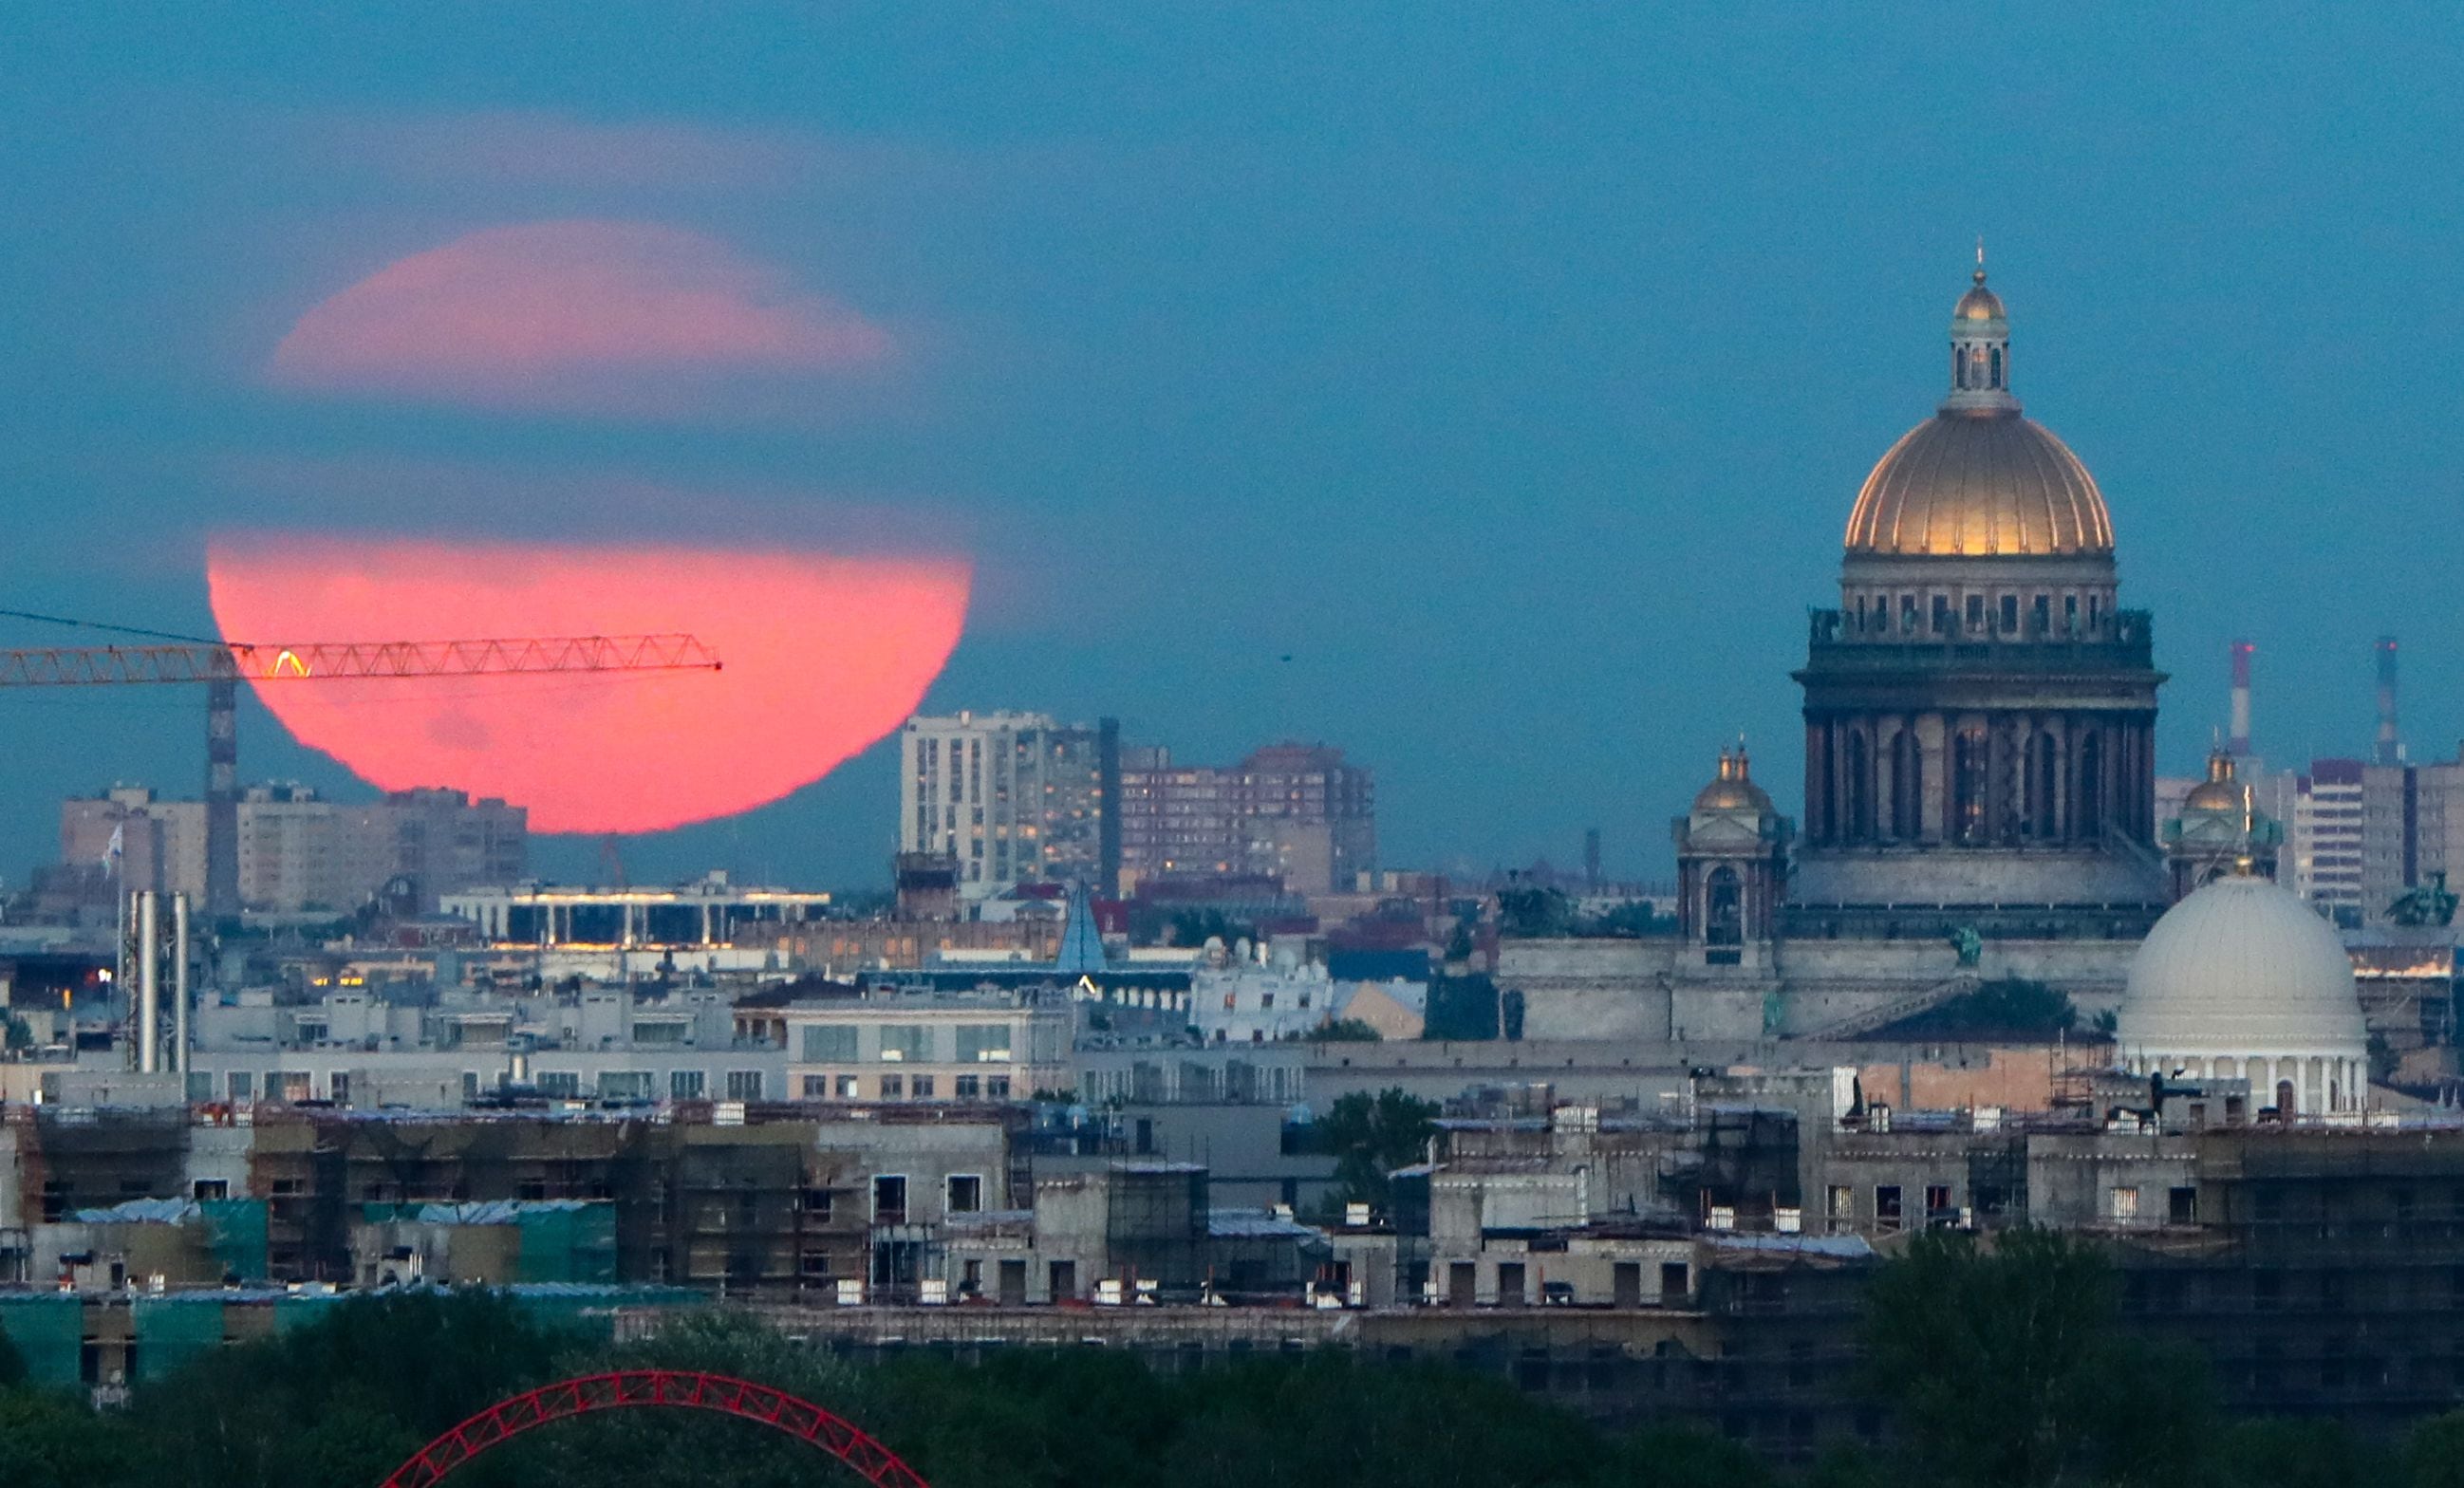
{"type": "Point", "coordinates": [579, 315]}
{"type": "Point", "coordinates": [535, 147]}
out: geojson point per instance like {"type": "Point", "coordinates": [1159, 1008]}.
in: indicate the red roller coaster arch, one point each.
{"type": "Point", "coordinates": [591, 1394]}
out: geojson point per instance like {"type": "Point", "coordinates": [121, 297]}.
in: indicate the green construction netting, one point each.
{"type": "Point", "coordinates": [172, 1330]}
{"type": "Point", "coordinates": [577, 1244]}
{"type": "Point", "coordinates": [235, 1229]}
{"type": "Point", "coordinates": [306, 1307]}
{"type": "Point", "coordinates": [49, 1333]}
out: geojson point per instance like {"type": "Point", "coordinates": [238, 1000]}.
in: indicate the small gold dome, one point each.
{"type": "Point", "coordinates": [1979, 303]}
{"type": "Point", "coordinates": [1977, 484]}
{"type": "Point", "coordinates": [2219, 792]}
{"type": "Point", "coordinates": [1734, 789]}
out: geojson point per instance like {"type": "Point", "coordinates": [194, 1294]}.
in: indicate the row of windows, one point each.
{"type": "Point", "coordinates": [1890, 1210]}
{"type": "Point", "coordinates": [961, 1193]}
{"type": "Point", "coordinates": [908, 1043]}
{"type": "Point", "coordinates": [242, 1087]}
{"type": "Point", "coordinates": [1979, 616]}
{"type": "Point", "coordinates": [906, 1087]}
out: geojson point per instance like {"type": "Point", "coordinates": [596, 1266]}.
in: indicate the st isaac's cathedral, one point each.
{"type": "Point", "coordinates": [1980, 781]}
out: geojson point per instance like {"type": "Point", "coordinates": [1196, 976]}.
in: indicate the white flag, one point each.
{"type": "Point", "coordinates": [119, 842]}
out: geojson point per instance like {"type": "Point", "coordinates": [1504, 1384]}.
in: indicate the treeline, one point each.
{"type": "Point", "coordinates": [2005, 1366]}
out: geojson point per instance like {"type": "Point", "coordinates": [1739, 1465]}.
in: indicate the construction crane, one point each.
{"type": "Point", "coordinates": [222, 666]}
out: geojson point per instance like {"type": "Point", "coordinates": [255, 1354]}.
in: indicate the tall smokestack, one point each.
{"type": "Point", "coordinates": [2389, 750]}
{"type": "Point", "coordinates": [150, 982]}
{"type": "Point", "coordinates": [2240, 741]}
{"type": "Point", "coordinates": [180, 982]}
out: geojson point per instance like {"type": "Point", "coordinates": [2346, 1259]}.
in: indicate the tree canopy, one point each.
{"type": "Point", "coordinates": [2008, 1007]}
{"type": "Point", "coordinates": [1371, 1135]}
{"type": "Point", "coordinates": [2006, 1364]}
{"type": "Point", "coordinates": [2001, 1363]}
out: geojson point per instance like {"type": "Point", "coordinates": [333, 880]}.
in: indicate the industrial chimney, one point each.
{"type": "Point", "coordinates": [2239, 742]}
{"type": "Point", "coordinates": [2389, 750]}
{"type": "Point", "coordinates": [150, 982]}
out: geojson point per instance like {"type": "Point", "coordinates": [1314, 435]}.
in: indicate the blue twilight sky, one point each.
{"type": "Point", "coordinates": [1510, 368]}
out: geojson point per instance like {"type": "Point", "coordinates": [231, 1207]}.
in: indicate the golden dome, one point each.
{"type": "Point", "coordinates": [1987, 483]}
{"type": "Point", "coordinates": [1979, 303]}
{"type": "Point", "coordinates": [1734, 789]}
{"type": "Point", "coordinates": [2219, 792]}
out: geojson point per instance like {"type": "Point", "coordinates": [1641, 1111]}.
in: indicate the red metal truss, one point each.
{"type": "Point", "coordinates": [89, 665]}
{"type": "Point", "coordinates": [801, 1419]}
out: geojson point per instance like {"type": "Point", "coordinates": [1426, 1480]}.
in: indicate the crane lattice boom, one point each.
{"type": "Point", "coordinates": [334, 661]}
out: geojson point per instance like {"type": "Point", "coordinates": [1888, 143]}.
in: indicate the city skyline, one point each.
{"type": "Point", "coordinates": [1484, 406]}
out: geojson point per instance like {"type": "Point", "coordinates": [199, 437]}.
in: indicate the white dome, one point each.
{"type": "Point", "coordinates": [2241, 967]}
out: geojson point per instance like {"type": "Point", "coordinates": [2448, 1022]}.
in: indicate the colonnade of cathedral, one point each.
{"type": "Point", "coordinates": [1998, 778]}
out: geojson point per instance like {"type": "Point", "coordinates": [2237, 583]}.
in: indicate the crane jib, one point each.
{"type": "Point", "coordinates": [336, 661]}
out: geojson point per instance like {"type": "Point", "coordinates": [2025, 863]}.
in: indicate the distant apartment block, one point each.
{"type": "Point", "coordinates": [1011, 797]}
{"type": "Point", "coordinates": [300, 853]}
{"type": "Point", "coordinates": [2360, 835]}
{"type": "Point", "coordinates": [2325, 833]}
{"type": "Point", "coordinates": [1300, 812]}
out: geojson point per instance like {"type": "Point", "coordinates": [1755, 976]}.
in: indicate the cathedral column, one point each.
{"type": "Point", "coordinates": [2142, 792]}
{"type": "Point", "coordinates": [1816, 782]}
{"type": "Point", "coordinates": [1934, 795]}
{"type": "Point", "coordinates": [1885, 798]}
{"type": "Point", "coordinates": [2058, 782]}
{"type": "Point", "coordinates": [2108, 769]}
{"type": "Point", "coordinates": [1874, 767]}
{"type": "Point", "coordinates": [1997, 778]}
{"type": "Point", "coordinates": [2134, 752]}
{"type": "Point", "coordinates": [2068, 777]}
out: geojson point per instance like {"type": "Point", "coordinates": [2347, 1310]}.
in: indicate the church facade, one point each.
{"type": "Point", "coordinates": [1980, 778]}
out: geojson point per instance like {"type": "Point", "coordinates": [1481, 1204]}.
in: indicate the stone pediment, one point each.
{"type": "Point", "coordinates": [1722, 829]}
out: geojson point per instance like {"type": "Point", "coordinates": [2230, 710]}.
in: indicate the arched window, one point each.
{"type": "Point", "coordinates": [2284, 1101]}
{"type": "Point", "coordinates": [1996, 362]}
{"type": "Point", "coordinates": [1968, 786]}
{"type": "Point", "coordinates": [1861, 791]}
{"type": "Point", "coordinates": [1907, 786]}
{"type": "Point", "coordinates": [1724, 919]}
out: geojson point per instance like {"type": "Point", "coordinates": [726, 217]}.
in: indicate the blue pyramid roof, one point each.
{"type": "Point", "coordinates": [1082, 949]}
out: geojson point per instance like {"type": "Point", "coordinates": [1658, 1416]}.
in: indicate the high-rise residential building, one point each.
{"type": "Point", "coordinates": [300, 853]}
{"type": "Point", "coordinates": [1301, 812]}
{"type": "Point", "coordinates": [2360, 836]}
{"type": "Point", "coordinates": [161, 843]}
{"type": "Point", "coordinates": [2324, 812]}
{"type": "Point", "coordinates": [1013, 798]}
